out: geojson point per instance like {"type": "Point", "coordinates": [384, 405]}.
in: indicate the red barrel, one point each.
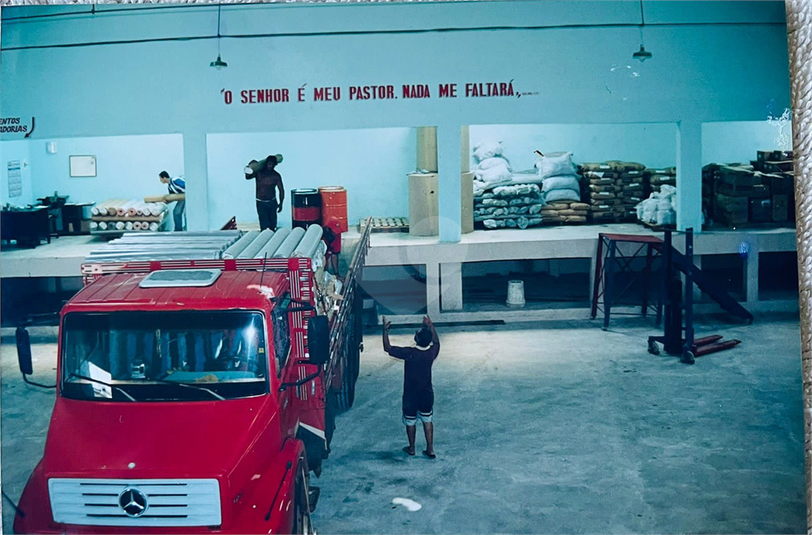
{"type": "Point", "coordinates": [306, 207]}
{"type": "Point", "coordinates": [334, 206]}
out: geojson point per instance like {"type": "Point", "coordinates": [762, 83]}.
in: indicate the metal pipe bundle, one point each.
{"type": "Point", "coordinates": [290, 243]}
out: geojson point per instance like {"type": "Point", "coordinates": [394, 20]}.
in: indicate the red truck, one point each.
{"type": "Point", "coordinates": [193, 397]}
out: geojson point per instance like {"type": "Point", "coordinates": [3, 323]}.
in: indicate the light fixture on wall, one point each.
{"type": "Point", "coordinates": [218, 63]}
{"type": "Point", "coordinates": [642, 54]}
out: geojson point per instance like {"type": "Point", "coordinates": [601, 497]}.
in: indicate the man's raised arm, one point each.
{"type": "Point", "coordinates": [386, 345]}
{"type": "Point", "coordinates": [427, 322]}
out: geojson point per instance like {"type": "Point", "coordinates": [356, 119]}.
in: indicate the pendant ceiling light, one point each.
{"type": "Point", "coordinates": [642, 54]}
{"type": "Point", "coordinates": [218, 63]}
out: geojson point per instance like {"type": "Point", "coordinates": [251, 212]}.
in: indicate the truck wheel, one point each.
{"type": "Point", "coordinates": [346, 396]}
{"type": "Point", "coordinates": [302, 523]}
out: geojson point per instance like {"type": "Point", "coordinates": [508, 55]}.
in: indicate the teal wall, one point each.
{"type": "Point", "coordinates": [713, 62]}
{"type": "Point", "coordinates": [126, 166]}
{"type": "Point", "coordinates": [651, 144]}
{"type": "Point", "coordinates": [358, 160]}
{"type": "Point", "coordinates": [734, 142]}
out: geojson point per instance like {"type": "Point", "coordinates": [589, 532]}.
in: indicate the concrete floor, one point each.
{"type": "Point", "coordinates": [554, 427]}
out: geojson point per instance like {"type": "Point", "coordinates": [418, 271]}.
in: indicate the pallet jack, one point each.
{"type": "Point", "coordinates": [679, 304]}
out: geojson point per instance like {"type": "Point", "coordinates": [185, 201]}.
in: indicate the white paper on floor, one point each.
{"type": "Point", "coordinates": [411, 505]}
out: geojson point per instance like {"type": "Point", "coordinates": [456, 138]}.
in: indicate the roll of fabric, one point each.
{"type": "Point", "coordinates": [310, 241]}
{"type": "Point", "coordinates": [122, 210]}
{"type": "Point", "coordinates": [258, 243]}
{"type": "Point", "coordinates": [240, 245]}
{"type": "Point", "coordinates": [273, 244]}
{"type": "Point", "coordinates": [290, 243]}
{"type": "Point", "coordinates": [112, 208]}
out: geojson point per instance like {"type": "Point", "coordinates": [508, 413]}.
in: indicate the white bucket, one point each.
{"type": "Point", "coordinates": [515, 294]}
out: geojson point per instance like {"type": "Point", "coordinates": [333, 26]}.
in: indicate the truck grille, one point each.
{"type": "Point", "coordinates": [135, 502]}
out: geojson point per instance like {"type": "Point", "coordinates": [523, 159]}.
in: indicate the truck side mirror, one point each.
{"type": "Point", "coordinates": [318, 339]}
{"type": "Point", "coordinates": [24, 351]}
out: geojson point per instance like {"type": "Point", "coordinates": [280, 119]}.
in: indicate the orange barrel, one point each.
{"type": "Point", "coordinates": [334, 206]}
{"type": "Point", "coordinates": [306, 207]}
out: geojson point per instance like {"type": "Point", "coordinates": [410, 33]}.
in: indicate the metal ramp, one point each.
{"type": "Point", "coordinates": [610, 261]}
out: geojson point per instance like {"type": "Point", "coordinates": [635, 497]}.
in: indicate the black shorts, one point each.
{"type": "Point", "coordinates": [416, 405]}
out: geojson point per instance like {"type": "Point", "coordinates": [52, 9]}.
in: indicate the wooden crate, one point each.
{"type": "Point", "coordinates": [728, 203]}
{"type": "Point", "coordinates": [731, 210]}
{"type": "Point", "coordinates": [761, 210]}
{"type": "Point", "coordinates": [779, 183]}
{"type": "Point", "coordinates": [778, 167]}
{"type": "Point", "coordinates": [773, 155]}
{"type": "Point", "coordinates": [780, 208]}
{"type": "Point", "coordinates": [738, 176]}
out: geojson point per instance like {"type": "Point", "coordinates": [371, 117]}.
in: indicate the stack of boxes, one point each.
{"type": "Point", "coordinates": [759, 193]}
{"type": "Point", "coordinates": [736, 186]}
{"type": "Point", "coordinates": [710, 177]}
{"type": "Point", "coordinates": [778, 176]}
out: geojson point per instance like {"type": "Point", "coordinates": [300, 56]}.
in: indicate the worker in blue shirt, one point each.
{"type": "Point", "coordinates": [176, 185]}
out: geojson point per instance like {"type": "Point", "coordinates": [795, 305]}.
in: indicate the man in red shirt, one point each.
{"type": "Point", "coordinates": [332, 238]}
{"type": "Point", "coordinates": [418, 394]}
{"type": "Point", "coordinates": [267, 180]}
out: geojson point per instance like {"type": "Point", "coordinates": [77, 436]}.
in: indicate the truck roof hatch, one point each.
{"type": "Point", "coordinates": [179, 278]}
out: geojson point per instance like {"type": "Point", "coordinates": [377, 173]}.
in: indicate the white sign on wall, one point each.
{"type": "Point", "coordinates": [15, 179]}
{"type": "Point", "coordinates": [82, 166]}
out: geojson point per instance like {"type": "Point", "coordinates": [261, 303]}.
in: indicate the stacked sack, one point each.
{"type": "Point", "coordinates": [602, 192]}
{"type": "Point", "coordinates": [492, 167]}
{"type": "Point", "coordinates": [516, 206]}
{"type": "Point", "coordinates": [662, 177]}
{"type": "Point", "coordinates": [565, 212]}
{"type": "Point", "coordinates": [631, 184]}
{"type": "Point", "coordinates": [660, 208]}
{"type": "Point", "coordinates": [559, 178]}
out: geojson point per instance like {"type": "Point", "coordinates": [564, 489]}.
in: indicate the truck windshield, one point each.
{"type": "Point", "coordinates": [164, 356]}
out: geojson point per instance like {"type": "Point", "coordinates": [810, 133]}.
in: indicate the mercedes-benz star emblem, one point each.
{"type": "Point", "coordinates": [133, 502]}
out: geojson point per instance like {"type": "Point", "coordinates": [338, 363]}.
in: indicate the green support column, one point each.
{"type": "Point", "coordinates": [195, 167]}
{"type": "Point", "coordinates": [689, 176]}
{"type": "Point", "coordinates": [450, 195]}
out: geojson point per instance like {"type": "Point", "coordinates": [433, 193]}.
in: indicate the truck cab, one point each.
{"type": "Point", "coordinates": [190, 400]}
